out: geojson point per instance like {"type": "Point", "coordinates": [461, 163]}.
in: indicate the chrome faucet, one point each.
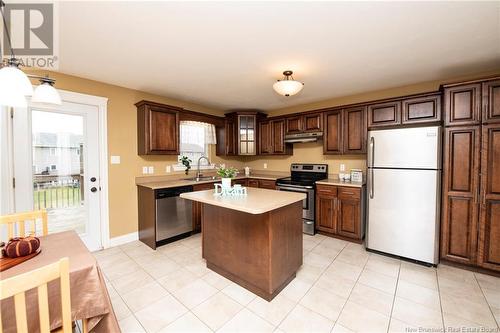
{"type": "Point", "coordinates": [198, 174]}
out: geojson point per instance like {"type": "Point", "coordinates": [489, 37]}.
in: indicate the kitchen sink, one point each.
{"type": "Point", "coordinates": [200, 179]}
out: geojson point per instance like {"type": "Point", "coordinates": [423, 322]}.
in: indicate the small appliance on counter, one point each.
{"type": "Point", "coordinates": [247, 171]}
{"type": "Point", "coordinates": [356, 175]}
{"type": "Point", "coordinates": [302, 180]}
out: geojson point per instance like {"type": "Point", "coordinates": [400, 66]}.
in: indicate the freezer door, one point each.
{"type": "Point", "coordinates": [403, 213]}
{"type": "Point", "coordinates": [417, 148]}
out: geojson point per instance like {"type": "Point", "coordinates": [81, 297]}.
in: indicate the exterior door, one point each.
{"type": "Point", "coordinates": [489, 222]}
{"type": "Point", "coordinates": [56, 167]}
{"type": "Point", "coordinates": [460, 194]}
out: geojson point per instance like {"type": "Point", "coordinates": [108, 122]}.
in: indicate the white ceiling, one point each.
{"type": "Point", "coordinates": [228, 54]}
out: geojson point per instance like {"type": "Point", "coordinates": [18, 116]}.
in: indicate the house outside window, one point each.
{"type": "Point", "coordinates": [195, 138]}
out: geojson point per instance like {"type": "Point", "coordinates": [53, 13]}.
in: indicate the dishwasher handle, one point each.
{"type": "Point", "coordinates": [172, 192]}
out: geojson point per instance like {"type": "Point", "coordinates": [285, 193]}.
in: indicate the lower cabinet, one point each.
{"type": "Point", "coordinates": [197, 205]}
{"type": "Point", "coordinates": [269, 184]}
{"type": "Point", "coordinates": [340, 211]}
{"type": "Point", "coordinates": [253, 183]}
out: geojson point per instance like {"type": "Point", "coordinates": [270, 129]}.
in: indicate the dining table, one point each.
{"type": "Point", "coordinates": [90, 300]}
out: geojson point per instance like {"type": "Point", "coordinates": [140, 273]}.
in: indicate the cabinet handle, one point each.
{"type": "Point", "coordinates": [348, 193]}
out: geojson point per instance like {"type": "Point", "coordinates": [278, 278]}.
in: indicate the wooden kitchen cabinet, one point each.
{"type": "Point", "coordinates": [157, 129]}
{"type": "Point", "coordinates": [294, 124]}
{"type": "Point", "coordinates": [313, 122]}
{"type": "Point", "coordinates": [269, 184]}
{"type": "Point", "coordinates": [197, 206]}
{"type": "Point", "coordinates": [462, 104]}
{"type": "Point", "coordinates": [326, 212]}
{"type": "Point", "coordinates": [460, 194]}
{"type": "Point", "coordinates": [491, 102]}
{"type": "Point", "coordinates": [332, 136]}
{"type": "Point", "coordinates": [489, 219]}
{"type": "Point", "coordinates": [354, 130]}
{"type": "Point", "coordinates": [265, 138]}
{"type": "Point", "coordinates": [340, 211]}
{"type": "Point", "coordinates": [423, 109]}
{"type": "Point", "coordinates": [253, 183]}
{"type": "Point", "coordinates": [242, 182]}
{"type": "Point", "coordinates": [384, 114]}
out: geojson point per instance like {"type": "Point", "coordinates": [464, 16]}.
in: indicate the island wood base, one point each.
{"type": "Point", "coordinates": [260, 252]}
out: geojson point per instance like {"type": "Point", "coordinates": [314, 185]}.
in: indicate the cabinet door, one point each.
{"type": "Point", "coordinates": [491, 102]}
{"type": "Point", "coordinates": [253, 183]}
{"type": "Point", "coordinates": [313, 122]}
{"type": "Point", "coordinates": [384, 114]}
{"type": "Point", "coordinates": [265, 138]}
{"type": "Point", "coordinates": [278, 137]}
{"type": "Point", "coordinates": [158, 131]}
{"type": "Point", "coordinates": [196, 216]}
{"type": "Point", "coordinates": [242, 182]}
{"type": "Point", "coordinates": [269, 184]}
{"type": "Point", "coordinates": [326, 214]}
{"type": "Point", "coordinates": [355, 131]}
{"type": "Point", "coordinates": [332, 136]}
{"type": "Point", "coordinates": [294, 125]}
{"type": "Point", "coordinates": [462, 105]}
{"type": "Point", "coordinates": [489, 225]}
{"type": "Point", "coordinates": [460, 194]}
{"type": "Point", "coordinates": [230, 137]}
{"type": "Point", "coordinates": [349, 212]}
{"type": "Point", "coordinates": [426, 109]}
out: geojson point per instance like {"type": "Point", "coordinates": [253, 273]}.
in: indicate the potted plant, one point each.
{"type": "Point", "coordinates": [186, 162]}
{"type": "Point", "coordinates": [226, 174]}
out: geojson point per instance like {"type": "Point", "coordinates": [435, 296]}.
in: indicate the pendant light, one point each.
{"type": "Point", "coordinates": [15, 85]}
{"type": "Point", "coordinates": [46, 93]}
{"type": "Point", "coordinates": [288, 86]}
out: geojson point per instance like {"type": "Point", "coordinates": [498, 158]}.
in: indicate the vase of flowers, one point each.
{"type": "Point", "coordinates": [187, 163]}
{"type": "Point", "coordinates": [226, 174]}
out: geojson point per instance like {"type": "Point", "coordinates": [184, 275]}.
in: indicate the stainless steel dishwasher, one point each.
{"type": "Point", "coordinates": [173, 214]}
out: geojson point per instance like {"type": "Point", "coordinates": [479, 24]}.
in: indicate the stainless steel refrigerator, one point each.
{"type": "Point", "coordinates": [404, 186]}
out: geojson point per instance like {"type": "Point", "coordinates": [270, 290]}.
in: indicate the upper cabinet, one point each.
{"type": "Point", "coordinates": [332, 137]}
{"type": "Point", "coordinates": [247, 138]}
{"type": "Point", "coordinates": [272, 138]}
{"type": "Point", "coordinates": [384, 114]}
{"type": "Point", "coordinates": [355, 132]}
{"type": "Point", "coordinates": [491, 101]}
{"type": "Point", "coordinates": [462, 104]}
{"type": "Point", "coordinates": [309, 122]}
{"type": "Point", "coordinates": [240, 135]}
{"type": "Point", "coordinates": [423, 109]}
{"type": "Point", "coordinates": [157, 129]}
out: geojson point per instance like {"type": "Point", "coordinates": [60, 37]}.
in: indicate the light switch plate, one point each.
{"type": "Point", "coordinates": [342, 167]}
{"type": "Point", "coordinates": [145, 170]}
{"type": "Point", "coordinates": [115, 160]}
{"type": "Point", "coordinates": [151, 170]}
{"type": "Point", "coordinates": [168, 169]}
{"type": "Point", "coordinates": [265, 165]}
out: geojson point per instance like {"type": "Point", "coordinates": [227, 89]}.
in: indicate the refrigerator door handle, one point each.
{"type": "Point", "coordinates": [372, 178]}
{"type": "Point", "coordinates": [372, 148]}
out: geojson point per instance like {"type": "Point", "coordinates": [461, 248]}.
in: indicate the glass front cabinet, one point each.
{"type": "Point", "coordinates": [247, 138]}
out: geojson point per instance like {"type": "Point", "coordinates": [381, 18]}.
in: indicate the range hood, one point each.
{"type": "Point", "coordinates": [303, 137]}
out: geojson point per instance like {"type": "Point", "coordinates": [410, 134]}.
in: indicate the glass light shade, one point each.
{"type": "Point", "coordinates": [14, 79]}
{"type": "Point", "coordinates": [12, 99]}
{"type": "Point", "coordinates": [287, 87]}
{"type": "Point", "coordinates": [46, 94]}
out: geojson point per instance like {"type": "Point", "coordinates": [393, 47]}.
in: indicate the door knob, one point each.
{"type": "Point", "coordinates": [93, 189]}
{"type": "Point", "coordinates": [93, 179]}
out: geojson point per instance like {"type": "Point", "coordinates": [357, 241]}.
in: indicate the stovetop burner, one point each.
{"type": "Point", "coordinates": [305, 175]}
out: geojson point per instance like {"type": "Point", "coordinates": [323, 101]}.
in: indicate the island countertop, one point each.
{"type": "Point", "coordinates": [257, 201]}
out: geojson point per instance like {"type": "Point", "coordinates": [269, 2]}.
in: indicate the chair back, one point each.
{"type": "Point", "coordinates": [16, 287]}
{"type": "Point", "coordinates": [21, 219]}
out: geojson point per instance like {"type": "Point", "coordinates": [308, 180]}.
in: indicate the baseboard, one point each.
{"type": "Point", "coordinates": [115, 241]}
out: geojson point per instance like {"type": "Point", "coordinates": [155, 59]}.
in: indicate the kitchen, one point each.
{"type": "Point", "coordinates": [298, 186]}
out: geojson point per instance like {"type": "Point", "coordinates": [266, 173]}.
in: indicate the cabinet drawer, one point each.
{"type": "Point", "coordinates": [242, 182]}
{"type": "Point", "coordinates": [203, 187]}
{"type": "Point", "coordinates": [253, 183]}
{"type": "Point", "coordinates": [326, 189]}
{"type": "Point", "coordinates": [349, 193]}
{"type": "Point", "coordinates": [269, 184]}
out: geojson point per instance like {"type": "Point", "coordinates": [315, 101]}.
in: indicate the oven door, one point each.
{"type": "Point", "coordinates": [307, 203]}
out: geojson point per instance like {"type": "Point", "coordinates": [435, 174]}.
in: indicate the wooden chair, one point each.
{"type": "Point", "coordinates": [20, 219]}
{"type": "Point", "coordinates": [17, 285]}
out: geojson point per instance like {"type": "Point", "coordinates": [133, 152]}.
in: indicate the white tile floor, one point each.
{"type": "Point", "coordinates": [340, 288]}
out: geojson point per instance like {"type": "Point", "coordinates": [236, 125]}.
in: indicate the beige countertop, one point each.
{"type": "Point", "coordinates": [168, 183]}
{"type": "Point", "coordinates": [257, 201]}
{"type": "Point", "coordinates": [338, 182]}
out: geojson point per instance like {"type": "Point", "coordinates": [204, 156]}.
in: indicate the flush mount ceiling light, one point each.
{"type": "Point", "coordinates": [288, 86]}
{"type": "Point", "coordinates": [15, 84]}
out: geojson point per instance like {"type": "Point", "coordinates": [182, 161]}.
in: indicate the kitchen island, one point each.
{"type": "Point", "coordinates": [253, 240]}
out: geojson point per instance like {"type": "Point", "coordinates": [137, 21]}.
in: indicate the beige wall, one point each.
{"type": "Point", "coordinates": [122, 141]}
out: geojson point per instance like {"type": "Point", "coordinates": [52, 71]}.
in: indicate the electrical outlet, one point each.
{"type": "Point", "coordinates": [342, 167]}
{"type": "Point", "coordinates": [145, 170]}
{"type": "Point", "coordinates": [168, 169]}
{"type": "Point", "coordinates": [115, 159]}
{"type": "Point", "coordinates": [265, 165]}
{"type": "Point", "coordinates": [151, 170]}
